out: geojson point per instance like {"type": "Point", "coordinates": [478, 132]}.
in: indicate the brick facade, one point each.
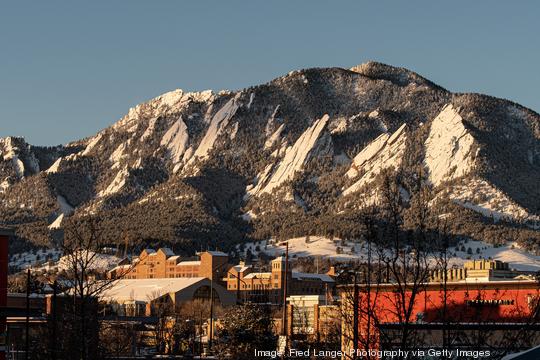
{"type": "Point", "coordinates": [163, 263]}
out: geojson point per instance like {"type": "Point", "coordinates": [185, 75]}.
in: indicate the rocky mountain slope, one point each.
{"type": "Point", "coordinates": [295, 156]}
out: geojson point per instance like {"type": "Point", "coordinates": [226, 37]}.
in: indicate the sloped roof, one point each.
{"type": "Point", "coordinates": [195, 262]}
{"type": "Point", "coordinates": [167, 251]}
{"type": "Point", "coordinates": [146, 289]}
{"type": "Point", "coordinates": [322, 277]}
{"type": "Point", "coordinates": [217, 253]}
{"type": "Point", "coordinates": [259, 275]}
{"type": "Point", "coordinates": [241, 268]}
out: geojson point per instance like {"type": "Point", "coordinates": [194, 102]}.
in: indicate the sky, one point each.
{"type": "Point", "coordinates": [70, 68]}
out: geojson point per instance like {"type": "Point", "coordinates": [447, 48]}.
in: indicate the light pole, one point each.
{"type": "Point", "coordinates": [211, 330]}
{"type": "Point", "coordinates": [285, 285]}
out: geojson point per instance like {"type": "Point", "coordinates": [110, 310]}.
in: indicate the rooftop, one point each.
{"type": "Point", "coordinates": [147, 289]}
{"type": "Point", "coordinates": [217, 253]}
{"type": "Point", "coordinates": [167, 251]}
{"type": "Point", "coordinates": [259, 275]}
{"type": "Point", "coordinates": [322, 277]}
{"type": "Point", "coordinates": [194, 262]}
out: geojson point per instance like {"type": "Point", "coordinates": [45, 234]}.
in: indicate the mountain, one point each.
{"type": "Point", "coordinates": [295, 156]}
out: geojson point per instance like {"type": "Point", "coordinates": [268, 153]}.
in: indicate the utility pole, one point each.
{"type": "Point", "coordinates": [285, 283]}
{"type": "Point", "coordinates": [54, 320]}
{"type": "Point", "coordinates": [211, 331]}
{"type": "Point", "coordinates": [27, 329]}
{"type": "Point", "coordinates": [355, 315]}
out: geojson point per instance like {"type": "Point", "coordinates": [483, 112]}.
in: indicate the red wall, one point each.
{"type": "Point", "coordinates": [479, 302]}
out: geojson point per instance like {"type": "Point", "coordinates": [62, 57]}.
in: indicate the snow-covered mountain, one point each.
{"type": "Point", "coordinates": [293, 155]}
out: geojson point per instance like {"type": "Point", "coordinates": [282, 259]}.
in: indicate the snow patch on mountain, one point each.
{"type": "Point", "coordinates": [57, 224]}
{"type": "Point", "coordinates": [218, 123]}
{"type": "Point", "coordinates": [18, 166]}
{"type": "Point", "coordinates": [448, 147]}
{"type": "Point", "coordinates": [117, 155]}
{"type": "Point", "coordinates": [54, 167]}
{"type": "Point", "coordinates": [91, 144]}
{"type": "Point", "coordinates": [176, 140]}
{"type": "Point", "coordinates": [118, 182]}
{"type": "Point", "coordinates": [4, 185]}
{"type": "Point", "coordinates": [270, 123]}
{"type": "Point", "coordinates": [274, 137]}
{"type": "Point", "coordinates": [10, 153]}
{"type": "Point", "coordinates": [251, 98]}
{"type": "Point", "coordinates": [311, 143]}
{"type": "Point", "coordinates": [484, 198]}
{"type": "Point", "coordinates": [382, 153]}
{"type": "Point", "coordinates": [150, 129]}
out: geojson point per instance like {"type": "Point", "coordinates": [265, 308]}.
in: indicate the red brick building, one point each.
{"type": "Point", "coordinates": [267, 287]}
{"type": "Point", "coordinates": [459, 307]}
{"type": "Point", "coordinates": [163, 263]}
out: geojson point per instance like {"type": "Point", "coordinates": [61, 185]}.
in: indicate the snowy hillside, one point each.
{"type": "Point", "coordinates": [296, 155]}
{"type": "Point", "coordinates": [339, 250]}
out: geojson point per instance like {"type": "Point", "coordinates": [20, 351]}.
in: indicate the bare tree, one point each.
{"type": "Point", "coordinates": [85, 282]}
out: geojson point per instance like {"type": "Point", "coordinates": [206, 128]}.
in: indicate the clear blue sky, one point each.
{"type": "Point", "coordinates": [71, 68]}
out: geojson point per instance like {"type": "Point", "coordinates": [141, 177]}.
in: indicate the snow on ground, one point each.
{"type": "Point", "coordinates": [448, 147]}
{"type": "Point", "coordinates": [309, 246]}
{"type": "Point", "coordinates": [349, 250]}
{"type": "Point", "coordinates": [102, 262]}
{"type": "Point", "coordinates": [29, 258]}
{"type": "Point", "coordinates": [511, 253]}
{"type": "Point", "coordinates": [482, 197]}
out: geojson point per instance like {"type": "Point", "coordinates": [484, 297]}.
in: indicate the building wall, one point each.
{"type": "Point", "coordinates": [161, 264]}
{"type": "Point", "coordinates": [487, 302]}
{"type": "Point", "coordinates": [269, 286]}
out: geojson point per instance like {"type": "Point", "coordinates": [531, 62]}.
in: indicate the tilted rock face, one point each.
{"type": "Point", "coordinates": [188, 165]}
{"type": "Point", "coordinates": [311, 143]}
{"type": "Point", "coordinates": [449, 147]}
{"type": "Point", "coordinates": [384, 152]}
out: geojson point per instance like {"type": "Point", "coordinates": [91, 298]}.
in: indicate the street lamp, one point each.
{"type": "Point", "coordinates": [355, 308]}
{"type": "Point", "coordinates": [285, 285]}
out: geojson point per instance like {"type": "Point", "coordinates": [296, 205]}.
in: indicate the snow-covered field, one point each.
{"type": "Point", "coordinates": [32, 258]}
{"type": "Point", "coordinates": [347, 251]}
{"type": "Point", "coordinates": [51, 260]}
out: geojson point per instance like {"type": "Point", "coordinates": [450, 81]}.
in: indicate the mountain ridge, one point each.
{"type": "Point", "coordinates": [223, 155]}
